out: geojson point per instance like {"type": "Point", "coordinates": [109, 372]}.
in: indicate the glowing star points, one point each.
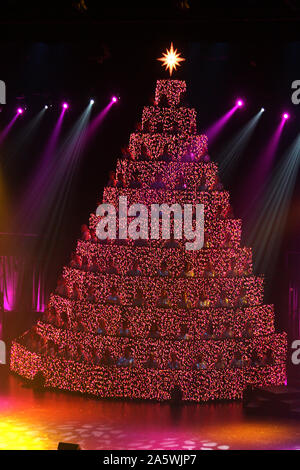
{"type": "Point", "coordinates": [171, 59]}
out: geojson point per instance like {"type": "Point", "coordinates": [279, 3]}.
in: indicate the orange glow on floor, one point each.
{"type": "Point", "coordinates": [39, 421]}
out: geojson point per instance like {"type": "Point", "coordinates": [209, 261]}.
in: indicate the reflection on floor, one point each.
{"type": "Point", "coordinates": [39, 421]}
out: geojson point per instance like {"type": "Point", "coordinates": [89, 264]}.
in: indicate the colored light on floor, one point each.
{"type": "Point", "coordinates": [19, 436]}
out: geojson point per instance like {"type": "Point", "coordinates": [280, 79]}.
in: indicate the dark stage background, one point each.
{"type": "Point", "coordinates": [39, 73]}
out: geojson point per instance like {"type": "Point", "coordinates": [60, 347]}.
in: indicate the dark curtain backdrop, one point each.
{"type": "Point", "coordinates": [294, 309]}
{"type": "Point", "coordinates": [22, 285]}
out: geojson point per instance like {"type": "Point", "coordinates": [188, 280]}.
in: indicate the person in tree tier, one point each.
{"type": "Point", "coordinates": [112, 181]}
{"type": "Point", "coordinates": [222, 300]}
{"type": "Point", "coordinates": [163, 300]}
{"type": "Point", "coordinates": [173, 364]}
{"type": "Point", "coordinates": [202, 184]}
{"type": "Point", "coordinates": [248, 330]}
{"type": "Point", "coordinates": [237, 361]}
{"type": "Point", "coordinates": [268, 358]}
{"type": "Point", "coordinates": [76, 294]}
{"type": "Point", "coordinates": [124, 330]}
{"type": "Point", "coordinates": [139, 299]}
{"type": "Point", "coordinates": [242, 300]}
{"type": "Point", "coordinates": [166, 155]}
{"type": "Point", "coordinates": [158, 182]}
{"type": "Point", "coordinates": [184, 333]}
{"type": "Point", "coordinates": [203, 301]}
{"type": "Point", "coordinates": [113, 298]}
{"type": "Point", "coordinates": [171, 243]}
{"type": "Point", "coordinates": [220, 364]}
{"type": "Point", "coordinates": [95, 359]}
{"type": "Point", "coordinates": [209, 332]}
{"type": "Point", "coordinates": [184, 302]}
{"type": "Point", "coordinates": [180, 183]}
{"type": "Point", "coordinates": [200, 364]}
{"type": "Point", "coordinates": [91, 295]}
{"type": "Point", "coordinates": [209, 270]}
{"type": "Point", "coordinates": [228, 332]}
{"type": "Point", "coordinates": [107, 360]}
{"type": "Point", "coordinates": [75, 262]}
{"type": "Point", "coordinates": [188, 270]}
{"type": "Point", "coordinates": [163, 270]}
{"type": "Point", "coordinates": [154, 332]}
{"type": "Point", "coordinates": [85, 266]}
{"type": "Point", "coordinates": [135, 270]}
{"type": "Point", "coordinates": [135, 182]}
{"type": "Point", "coordinates": [232, 271]}
{"type": "Point", "coordinates": [255, 360]}
{"type": "Point", "coordinates": [111, 267]}
{"type": "Point", "coordinates": [151, 363]}
{"type": "Point", "coordinates": [101, 329]}
{"type": "Point", "coordinates": [85, 233]}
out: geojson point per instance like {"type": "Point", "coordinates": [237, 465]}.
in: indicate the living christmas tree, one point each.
{"type": "Point", "coordinates": [148, 319]}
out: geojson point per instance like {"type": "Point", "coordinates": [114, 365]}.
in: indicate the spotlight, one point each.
{"type": "Point", "coordinates": [240, 103]}
{"type": "Point", "coordinates": [65, 105]}
{"type": "Point", "coordinates": [262, 110]}
{"type": "Point", "coordinates": [46, 106]}
{"type": "Point", "coordinates": [285, 115]}
{"type": "Point", "coordinates": [114, 99]}
{"type": "Point", "coordinates": [92, 101]}
{"type": "Point", "coordinates": [20, 110]}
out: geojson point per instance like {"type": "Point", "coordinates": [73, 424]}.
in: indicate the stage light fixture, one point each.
{"type": "Point", "coordinates": [68, 446]}
{"type": "Point", "coordinates": [285, 115]}
{"type": "Point", "coordinates": [92, 101]}
{"type": "Point", "coordinates": [46, 106]}
{"type": "Point", "coordinates": [20, 110]}
{"type": "Point", "coordinates": [262, 110]}
{"type": "Point", "coordinates": [239, 103]}
{"type": "Point", "coordinates": [65, 105]}
{"type": "Point", "coordinates": [114, 99]}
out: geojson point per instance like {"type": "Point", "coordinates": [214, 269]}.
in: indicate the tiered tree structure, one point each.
{"type": "Point", "coordinates": [204, 323]}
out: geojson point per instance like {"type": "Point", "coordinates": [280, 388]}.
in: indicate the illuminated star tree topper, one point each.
{"type": "Point", "coordinates": [171, 59]}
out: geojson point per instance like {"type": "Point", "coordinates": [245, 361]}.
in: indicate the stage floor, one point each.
{"type": "Point", "coordinates": [39, 421]}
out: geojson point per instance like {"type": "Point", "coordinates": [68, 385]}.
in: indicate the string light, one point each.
{"type": "Point", "coordinates": [174, 127]}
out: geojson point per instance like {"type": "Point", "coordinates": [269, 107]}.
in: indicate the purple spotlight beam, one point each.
{"type": "Point", "coordinates": [261, 169]}
{"type": "Point", "coordinates": [6, 130]}
{"type": "Point", "coordinates": [93, 126]}
{"type": "Point", "coordinates": [217, 127]}
{"type": "Point", "coordinates": [40, 177]}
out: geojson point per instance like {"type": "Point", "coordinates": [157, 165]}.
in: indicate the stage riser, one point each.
{"type": "Point", "coordinates": [186, 351]}
{"type": "Point", "coordinates": [215, 234]}
{"type": "Point", "coordinates": [178, 145]}
{"type": "Point", "coordinates": [169, 322]}
{"type": "Point", "coordinates": [191, 172]}
{"type": "Point", "coordinates": [142, 384]}
{"type": "Point", "coordinates": [152, 288]}
{"type": "Point", "coordinates": [150, 259]}
{"type": "Point", "coordinates": [211, 201]}
{"type": "Point", "coordinates": [184, 118]}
